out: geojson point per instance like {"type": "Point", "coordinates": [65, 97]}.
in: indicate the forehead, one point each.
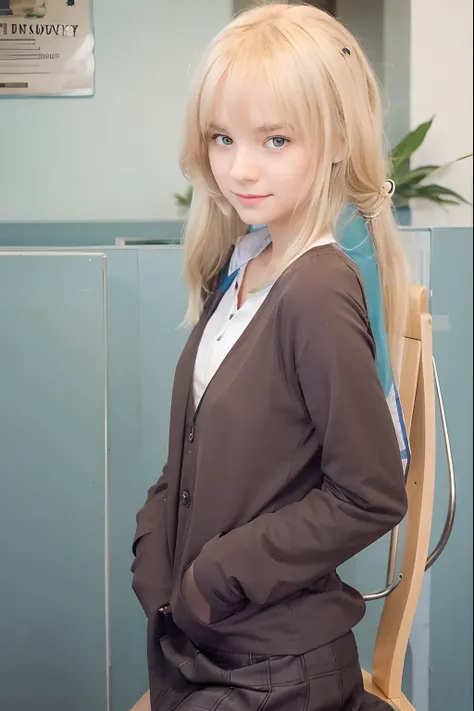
{"type": "Point", "coordinates": [245, 104]}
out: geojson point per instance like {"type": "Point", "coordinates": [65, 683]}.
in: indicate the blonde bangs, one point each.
{"type": "Point", "coordinates": [256, 59]}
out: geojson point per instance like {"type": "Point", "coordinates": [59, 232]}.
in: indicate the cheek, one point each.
{"type": "Point", "coordinates": [218, 165]}
{"type": "Point", "coordinates": [299, 170]}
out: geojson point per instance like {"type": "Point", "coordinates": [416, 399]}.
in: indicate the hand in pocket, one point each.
{"type": "Point", "coordinates": [197, 604]}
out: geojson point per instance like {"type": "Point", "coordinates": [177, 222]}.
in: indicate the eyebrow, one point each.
{"type": "Point", "coordinates": [267, 128]}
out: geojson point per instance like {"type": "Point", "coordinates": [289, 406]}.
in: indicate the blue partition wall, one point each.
{"type": "Point", "coordinates": [53, 651]}
{"type": "Point", "coordinates": [84, 234]}
{"type": "Point", "coordinates": [145, 305]}
{"type": "Point", "coordinates": [451, 658]}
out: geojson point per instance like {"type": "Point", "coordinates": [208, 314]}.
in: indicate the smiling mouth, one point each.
{"type": "Point", "coordinates": [251, 197]}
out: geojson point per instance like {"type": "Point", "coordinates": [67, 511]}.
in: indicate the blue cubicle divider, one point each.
{"type": "Point", "coordinates": [451, 615]}
{"type": "Point", "coordinates": [53, 623]}
{"type": "Point", "coordinates": [146, 302]}
{"type": "Point", "coordinates": [82, 233]}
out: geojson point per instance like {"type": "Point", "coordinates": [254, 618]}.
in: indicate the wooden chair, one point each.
{"type": "Point", "coordinates": [144, 703]}
{"type": "Point", "coordinates": [417, 395]}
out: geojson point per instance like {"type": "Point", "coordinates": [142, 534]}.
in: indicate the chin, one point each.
{"type": "Point", "coordinates": [253, 213]}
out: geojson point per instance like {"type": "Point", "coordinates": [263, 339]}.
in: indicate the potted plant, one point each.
{"type": "Point", "coordinates": [412, 182]}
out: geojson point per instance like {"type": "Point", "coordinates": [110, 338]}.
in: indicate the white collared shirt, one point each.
{"type": "Point", "coordinates": [228, 322]}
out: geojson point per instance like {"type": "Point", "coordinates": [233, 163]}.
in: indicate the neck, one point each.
{"type": "Point", "coordinates": [282, 235]}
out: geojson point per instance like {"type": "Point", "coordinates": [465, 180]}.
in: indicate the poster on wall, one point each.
{"type": "Point", "coordinates": [46, 48]}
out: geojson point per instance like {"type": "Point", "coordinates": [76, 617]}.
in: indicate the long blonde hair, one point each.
{"type": "Point", "coordinates": [325, 86]}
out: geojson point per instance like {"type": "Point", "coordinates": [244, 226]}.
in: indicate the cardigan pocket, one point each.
{"type": "Point", "coordinates": [152, 571]}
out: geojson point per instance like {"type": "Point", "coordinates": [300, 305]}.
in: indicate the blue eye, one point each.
{"type": "Point", "coordinates": [226, 141]}
{"type": "Point", "coordinates": [279, 141]}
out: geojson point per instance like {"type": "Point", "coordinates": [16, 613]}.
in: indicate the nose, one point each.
{"type": "Point", "coordinates": [244, 167]}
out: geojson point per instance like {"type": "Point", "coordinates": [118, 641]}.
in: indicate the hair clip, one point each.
{"type": "Point", "coordinates": [388, 188]}
{"type": "Point", "coordinates": [346, 51]}
{"type": "Point", "coordinates": [386, 191]}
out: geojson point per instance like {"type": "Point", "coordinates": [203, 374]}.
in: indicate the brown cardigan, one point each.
{"type": "Point", "coordinates": [288, 468]}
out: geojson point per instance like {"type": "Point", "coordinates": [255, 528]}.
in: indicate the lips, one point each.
{"type": "Point", "coordinates": [251, 197]}
{"type": "Point", "coordinates": [251, 200]}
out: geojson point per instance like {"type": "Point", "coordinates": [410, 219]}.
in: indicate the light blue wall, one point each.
{"type": "Point", "coordinates": [113, 156]}
{"type": "Point", "coordinates": [365, 19]}
{"type": "Point", "coordinates": [383, 27]}
{"type": "Point", "coordinates": [396, 67]}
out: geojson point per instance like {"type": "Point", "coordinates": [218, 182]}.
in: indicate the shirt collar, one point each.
{"type": "Point", "coordinates": [248, 247]}
{"type": "Point", "coordinates": [253, 243]}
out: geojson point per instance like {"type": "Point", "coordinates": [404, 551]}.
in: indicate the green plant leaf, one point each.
{"type": "Point", "coordinates": [442, 190]}
{"type": "Point", "coordinates": [458, 160]}
{"type": "Point", "coordinates": [186, 199]}
{"type": "Point", "coordinates": [408, 145]}
{"type": "Point", "coordinates": [436, 193]}
{"type": "Point", "coordinates": [415, 176]}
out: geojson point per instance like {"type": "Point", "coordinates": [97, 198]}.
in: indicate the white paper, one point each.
{"type": "Point", "coordinates": [46, 48]}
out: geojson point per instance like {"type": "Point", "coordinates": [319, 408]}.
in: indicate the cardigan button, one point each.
{"type": "Point", "coordinates": [185, 499]}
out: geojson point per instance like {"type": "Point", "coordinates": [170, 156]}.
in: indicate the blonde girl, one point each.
{"type": "Point", "coordinates": [284, 460]}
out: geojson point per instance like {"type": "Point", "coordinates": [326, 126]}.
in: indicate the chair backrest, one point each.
{"type": "Point", "coordinates": [417, 395]}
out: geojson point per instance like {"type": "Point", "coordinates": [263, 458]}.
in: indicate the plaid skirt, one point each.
{"type": "Point", "coordinates": [185, 678]}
